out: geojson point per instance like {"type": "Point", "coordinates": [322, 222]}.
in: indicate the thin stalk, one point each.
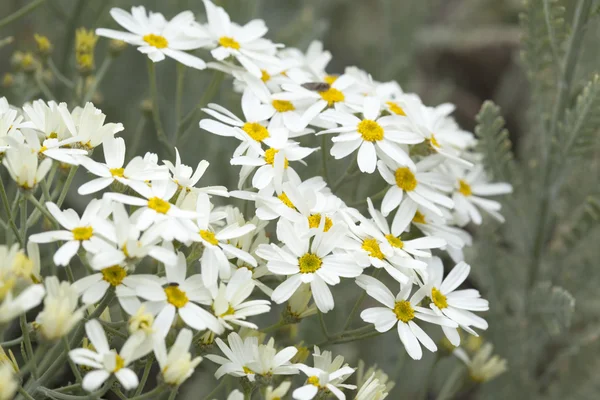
{"type": "Point", "coordinates": [274, 327]}
{"type": "Point", "coordinates": [209, 93]}
{"type": "Point", "coordinates": [349, 338]}
{"type": "Point", "coordinates": [160, 132]}
{"type": "Point", "coordinates": [28, 347]}
{"type": "Point", "coordinates": [139, 130]}
{"type": "Point", "coordinates": [99, 77]}
{"type": "Point", "coordinates": [351, 167]}
{"type": "Point", "coordinates": [65, 189]}
{"type": "Point", "coordinates": [24, 393]}
{"type": "Point", "coordinates": [61, 78]}
{"type": "Point", "coordinates": [322, 323]}
{"type": "Point", "coordinates": [149, 395]}
{"type": "Point", "coordinates": [42, 86]}
{"type": "Point", "coordinates": [70, 33]}
{"type": "Point", "coordinates": [359, 301]}
{"type": "Point", "coordinates": [72, 365]}
{"type": "Point", "coordinates": [21, 12]}
{"type": "Point", "coordinates": [42, 209]}
{"type": "Point", "coordinates": [212, 394]}
{"type": "Point", "coordinates": [9, 215]}
{"type": "Point", "coordinates": [12, 342]}
{"type": "Point", "coordinates": [145, 374]}
{"type": "Point", "coordinates": [324, 155]}
{"type": "Point", "coordinates": [179, 97]}
{"type": "Point", "coordinates": [23, 217]}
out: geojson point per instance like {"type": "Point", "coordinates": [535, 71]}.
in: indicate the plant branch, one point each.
{"type": "Point", "coordinates": [21, 12]}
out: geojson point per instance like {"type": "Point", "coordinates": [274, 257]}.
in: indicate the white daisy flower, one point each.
{"type": "Point", "coordinates": [268, 361]}
{"type": "Point", "coordinates": [228, 301]}
{"type": "Point", "coordinates": [24, 167]}
{"type": "Point", "coordinates": [239, 355]}
{"type": "Point", "coordinates": [47, 118]}
{"type": "Point", "coordinates": [9, 385]}
{"type": "Point", "coordinates": [86, 231]}
{"type": "Point", "coordinates": [245, 43]}
{"type": "Point", "coordinates": [456, 305]}
{"type": "Point", "coordinates": [185, 177]}
{"type": "Point", "coordinates": [217, 249]}
{"type": "Point", "coordinates": [279, 392]}
{"type": "Point", "coordinates": [87, 124]}
{"type": "Point", "coordinates": [369, 135]}
{"type": "Point", "coordinates": [484, 366]}
{"type": "Point", "coordinates": [372, 389]}
{"type": "Point", "coordinates": [114, 168]}
{"type": "Point", "coordinates": [421, 185]}
{"type": "Point", "coordinates": [12, 306]}
{"type": "Point", "coordinates": [315, 60]}
{"type": "Point", "coordinates": [60, 313]}
{"type": "Point", "coordinates": [105, 361]}
{"type": "Point", "coordinates": [401, 310]}
{"type": "Point", "coordinates": [252, 131]}
{"type": "Point", "coordinates": [469, 186]}
{"type": "Point", "coordinates": [321, 380]}
{"type": "Point", "coordinates": [53, 148]}
{"type": "Point", "coordinates": [156, 209]}
{"type": "Point", "coordinates": [158, 37]}
{"type": "Point", "coordinates": [177, 295]}
{"type": "Point", "coordinates": [309, 260]}
{"type": "Point", "coordinates": [177, 365]}
{"type": "Point", "coordinates": [131, 244]}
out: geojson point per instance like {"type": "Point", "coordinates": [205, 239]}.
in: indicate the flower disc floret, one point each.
{"type": "Point", "coordinates": [160, 42]}
{"type": "Point", "coordinates": [309, 263]}
{"type": "Point", "coordinates": [313, 380]}
{"type": "Point", "coordinates": [332, 96]}
{"type": "Point", "coordinates": [114, 275]}
{"type": "Point", "coordinates": [82, 232]}
{"type": "Point", "coordinates": [119, 363]}
{"type": "Point", "coordinates": [286, 200]}
{"type": "Point", "coordinates": [394, 241]}
{"type": "Point", "coordinates": [404, 311]}
{"type": "Point", "coordinates": [159, 205]}
{"type": "Point", "coordinates": [372, 247]}
{"type": "Point", "coordinates": [438, 298]}
{"type": "Point", "coordinates": [370, 130]}
{"type": "Point", "coordinates": [283, 105]}
{"type": "Point", "coordinates": [464, 188]}
{"type": "Point", "coordinates": [270, 158]}
{"type": "Point", "coordinates": [419, 218]}
{"type": "Point", "coordinates": [229, 42]}
{"type": "Point", "coordinates": [176, 296]}
{"type": "Point", "coordinates": [315, 220]}
{"type": "Point", "coordinates": [256, 131]}
{"type": "Point", "coordinates": [405, 179]}
{"type": "Point", "coordinates": [395, 108]}
{"type": "Point", "coordinates": [117, 172]}
{"type": "Point", "coordinates": [209, 237]}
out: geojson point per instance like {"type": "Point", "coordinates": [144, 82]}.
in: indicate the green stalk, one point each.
{"type": "Point", "coordinates": [9, 214]}
{"type": "Point", "coordinates": [65, 189]}
{"type": "Point", "coordinates": [145, 374]}
{"type": "Point", "coordinates": [72, 365]}
{"type": "Point", "coordinates": [209, 93]}
{"type": "Point", "coordinates": [178, 97]}
{"type": "Point", "coordinates": [99, 77]}
{"type": "Point", "coordinates": [160, 133]}
{"type": "Point", "coordinates": [21, 12]}
{"type": "Point", "coordinates": [324, 155]}
{"type": "Point", "coordinates": [28, 347]}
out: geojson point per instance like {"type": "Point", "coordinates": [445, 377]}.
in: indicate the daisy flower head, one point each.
{"type": "Point", "coordinates": [114, 168]}
{"type": "Point", "coordinates": [469, 188]}
{"type": "Point", "coordinates": [279, 392]}
{"type": "Point", "coordinates": [229, 301]}
{"type": "Point", "coordinates": [177, 295]}
{"type": "Point", "coordinates": [9, 385]}
{"type": "Point", "coordinates": [87, 124]}
{"type": "Point", "coordinates": [156, 37]}
{"type": "Point", "coordinates": [47, 118]}
{"type": "Point", "coordinates": [104, 362]}
{"type": "Point", "coordinates": [403, 311]}
{"type": "Point", "coordinates": [371, 135]}
{"type": "Point", "coordinates": [186, 178]}
{"type": "Point", "coordinates": [24, 167]}
{"type": "Point", "coordinates": [155, 208]}
{"type": "Point", "coordinates": [245, 43]}
{"type": "Point", "coordinates": [177, 365]}
{"type": "Point", "coordinates": [88, 231]}
{"type": "Point", "coordinates": [239, 354]}
{"type": "Point", "coordinates": [324, 376]}
{"type": "Point", "coordinates": [457, 305]}
{"type": "Point", "coordinates": [53, 148]}
{"type": "Point", "coordinates": [308, 258]}
{"type": "Point", "coordinates": [14, 304]}
{"type": "Point", "coordinates": [483, 366]}
{"type": "Point", "coordinates": [268, 361]}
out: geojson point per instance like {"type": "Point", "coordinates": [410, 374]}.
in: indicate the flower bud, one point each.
{"type": "Point", "coordinates": [44, 46]}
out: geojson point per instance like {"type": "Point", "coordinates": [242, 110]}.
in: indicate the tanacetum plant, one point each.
{"type": "Point", "coordinates": [159, 280]}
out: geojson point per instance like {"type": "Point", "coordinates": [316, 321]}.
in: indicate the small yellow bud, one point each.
{"type": "Point", "coordinates": [116, 47]}
{"type": "Point", "coordinates": [44, 46]}
{"type": "Point", "coordinates": [8, 80]}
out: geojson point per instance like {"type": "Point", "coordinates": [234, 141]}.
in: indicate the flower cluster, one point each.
{"type": "Point", "coordinates": [184, 266]}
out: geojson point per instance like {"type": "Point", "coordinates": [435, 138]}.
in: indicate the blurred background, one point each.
{"type": "Point", "coordinates": [459, 51]}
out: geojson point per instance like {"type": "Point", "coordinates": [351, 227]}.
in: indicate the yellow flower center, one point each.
{"type": "Point", "coordinates": [433, 143]}
{"type": "Point", "coordinates": [313, 380]}
{"type": "Point", "coordinates": [270, 158]}
{"type": "Point", "coordinates": [418, 218]}
{"type": "Point", "coordinates": [176, 296]}
{"type": "Point", "coordinates": [283, 105]}
{"type": "Point", "coordinates": [315, 220]}
{"type": "Point", "coordinates": [309, 263]}
{"type": "Point", "coordinates": [264, 75]}
{"type": "Point", "coordinates": [230, 311]}
{"type": "Point", "coordinates": [82, 233]}
{"type": "Point", "coordinates": [286, 200]}
{"type": "Point", "coordinates": [43, 149]}
{"type": "Point", "coordinates": [330, 79]}
{"type": "Point", "coordinates": [53, 135]}
{"type": "Point", "coordinates": [404, 311]}
{"type": "Point", "coordinates": [209, 237]}
{"type": "Point", "coordinates": [117, 172]}
{"type": "Point", "coordinates": [332, 96]}
{"type": "Point", "coordinates": [247, 370]}
{"type": "Point", "coordinates": [256, 131]}
{"type": "Point", "coordinates": [159, 205]}
{"type": "Point", "coordinates": [114, 275]}
{"type": "Point", "coordinates": [395, 108]}
{"type": "Point", "coordinates": [156, 40]}
{"type": "Point", "coordinates": [372, 247]}
{"type": "Point", "coordinates": [405, 179]}
{"type": "Point", "coordinates": [394, 241]}
{"type": "Point", "coordinates": [119, 363]}
{"type": "Point", "coordinates": [464, 188]}
{"type": "Point", "coordinates": [438, 298]}
{"type": "Point", "coordinates": [370, 130]}
{"type": "Point", "coordinates": [230, 42]}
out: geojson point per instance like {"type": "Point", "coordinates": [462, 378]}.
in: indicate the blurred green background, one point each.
{"type": "Point", "coordinates": [461, 51]}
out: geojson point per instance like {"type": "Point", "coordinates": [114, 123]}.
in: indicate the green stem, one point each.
{"type": "Point", "coordinates": [349, 169]}
{"type": "Point", "coordinates": [42, 209]}
{"type": "Point", "coordinates": [65, 189]}
{"type": "Point", "coordinates": [322, 323]}
{"type": "Point", "coordinates": [349, 338]}
{"type": "Point", "coordinates": [53, 394]}
{"type": "Point", "coordinates": [274, 327]}
{"type": "Point", "coordinates": [119, 394]}
{"type": "Point", "coordinates": [209, 93]}
{"type": "Point", "coordinates": [70, 33]}
{"type": "Point", "coordinates": [178, 97]}
{"type": "Point", "coordinates": [99, 77]}
{"type": "Point", "coordinates": [324, 155]}
{"type": "Point", "coordinates": [13, 342]}
{"type": "Point", "coordinates": [139, 131]}
{"type": "Point", "coordinates": [28, 347]}
{"type": "Point", "coordinates": [24, 393]}
{"type": "Point", "coordinates": [23, 217]}
{"type": "Point", "coordinates": [39, 80]}
{"type": "Point", "coordinates": [72, 365]}
{"type": "Point", "coordinates": [359, 301]}
{"type": "Point", "coordinates": [63, 79]}
{"type": "Point", "coordinates": [69, 387]}
{"type": "Point", "coordinates": [145, 374]}
{"type": "Point", "coordinates": [212, 394]}
{"type": "Point", "coordinates": [160, 133]}
{"type": "Point", "coordinates": [9, 214]}
{"type": "Point", "coordinates": [151, 394]}
{"type": "Point", "coordinates": [21, 12]}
